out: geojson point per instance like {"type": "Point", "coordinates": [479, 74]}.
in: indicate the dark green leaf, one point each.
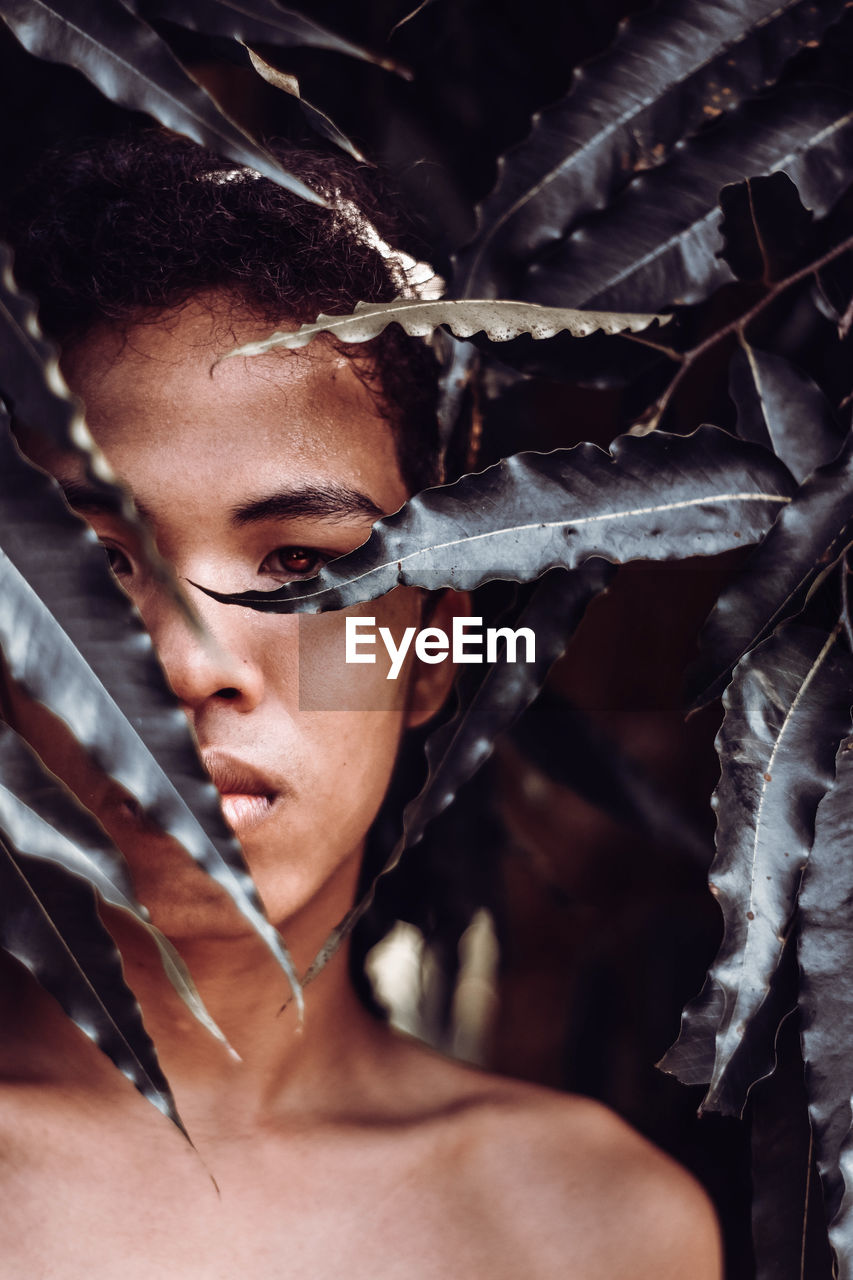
{"type": "Point", "coordinates": [654, 498]}
{"type": "Point", "coordinates": [783, 409]}
{"type": "Point", "coordinates": [41, 819]}
{"type": "Point", "coordinates": [826, 997]}
{"type": "Point", "coordinates": [73, 641]}
{"type": "Point", "coordinates": [670, 70]}
{"type": "Point", "coordinates": [457, 749]}
{"type": "Point", "coordinates": [657, 244]}
{"type": "Point", "coordinates": [132, 65]}
{"type": "Point", "coordinates": [765, 228]}
{"type": "Point", "coordinates": [808, 535]}
{"type": "Point", "coordinates": [788, 1220]}
{"type": "Point", "coordinates": [786, 709]}
{"type": "Point", "coordinates": [459, 363]}
{"type": "Point", "coordinates": [251, 21]}
{"type": "Point", "coordinates": [31, 383]}
{"type": "Point", "coordinates": [55, 932]}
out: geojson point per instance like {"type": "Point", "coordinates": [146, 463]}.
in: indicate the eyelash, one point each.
{"type": "Point", "coordinates": [113, 553]}
{"type": "Point", "coordinates": [316, 559]}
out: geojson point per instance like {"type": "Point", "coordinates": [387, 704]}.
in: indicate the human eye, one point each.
{"type": "Point", "coordinates": [116, 559]}
{"type": "Point", "coordinates": [286, 563]}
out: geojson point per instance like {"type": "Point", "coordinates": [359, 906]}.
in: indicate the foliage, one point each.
{"type": "Point", "coordinates": [709, 147]}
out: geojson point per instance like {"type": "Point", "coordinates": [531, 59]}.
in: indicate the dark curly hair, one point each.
{"type": "Point", "coordinates": [124, 229]}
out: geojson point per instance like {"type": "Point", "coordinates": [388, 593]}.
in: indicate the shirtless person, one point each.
{"type": "Point", "coordinates": [346, 1150]}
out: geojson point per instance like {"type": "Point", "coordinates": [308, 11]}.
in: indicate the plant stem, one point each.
{"type": "Point", "coordinates": [845, 601]}
{"type": "Point", "coordinates": [689, 358]}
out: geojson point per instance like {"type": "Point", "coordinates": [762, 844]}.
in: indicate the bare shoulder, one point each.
{"type": "Point", "coordinates": [591, 1188]}
{"type": "Point", "coordinates": [572, 1188]}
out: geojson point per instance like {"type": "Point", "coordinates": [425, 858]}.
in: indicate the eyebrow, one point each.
{"type": "Point", "coordinates": [328, 502]}
{"type": "Point", "coordinates": [85, 497]}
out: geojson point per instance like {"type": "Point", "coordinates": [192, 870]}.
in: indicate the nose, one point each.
{"type": "Point", "coordinates": [214, 666]}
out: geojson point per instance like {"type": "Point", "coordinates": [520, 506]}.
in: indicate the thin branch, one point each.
{"type": "Point", "coordinates": [737, 326]}
{"type": "Point", "coordinates": [806, 1205]}
{"type": "Point", "coordinates": [669, 352]}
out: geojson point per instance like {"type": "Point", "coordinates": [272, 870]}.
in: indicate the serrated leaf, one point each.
{"type": "Point", "coordinates": [130, 63]}
{"type": "Point", "coordinates": [457, 749]}
{"type": "Point", "coordinates": [499, 319]}
{"type": "Point", "coordinates": [31, 383]}
{"type": "Point", "coordinates": [785, 711]}
{"type": "Point", "coordinates": [41, 819]}
{"type": "Point", "coordinates": [62, 942]}
{"type": "Point", "coordinates": [780, 407]}
{"type": "Point", "coordinates": [826, 998]}
{"type": "Point", "coordinates": [669, 71]}
{"type": "Point", "coordinates": [657, 243]}
{"type": "Point", "coordinates": [253, 20]}
{"type": "Point", "coordinates": [765, 228]}
{"type": "Point", "coordinates": [317, 119]}
{"type": "Point", "coordinates": [807, 536]}
{"type": "Point", "coordinates": [95, 668]}
{"type": "Point", "coordinates": [656, 498]}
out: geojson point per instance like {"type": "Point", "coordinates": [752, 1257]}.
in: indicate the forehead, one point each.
{"type": "Point", "coordinates": [172, 419]}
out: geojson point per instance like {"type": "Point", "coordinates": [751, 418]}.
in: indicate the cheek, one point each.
{"type": "Point", "coordinates": [311, 856]}
{"type": "Point", "coordinates": [344, 727]}
{"type": "Point", "coordinates": [328, 682]}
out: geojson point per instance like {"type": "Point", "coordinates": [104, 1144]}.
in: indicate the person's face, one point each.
{"type": "Point", "coordinates": [254, 475]}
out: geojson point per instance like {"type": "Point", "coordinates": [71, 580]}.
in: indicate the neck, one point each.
{"type": "Point", "coordinates": [281, 1067]}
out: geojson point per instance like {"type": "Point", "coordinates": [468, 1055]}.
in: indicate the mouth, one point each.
{"type": "Point", "coordinates": [248, 796]}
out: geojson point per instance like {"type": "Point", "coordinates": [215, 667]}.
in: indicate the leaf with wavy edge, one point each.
{"type": "Point", "coordinates": [69, 952]}
{"type": "Point", "coordinates": [668, 71]}
{"type": "Point", "coordinates": [826, 998]}
{"type": "Point", "coordinates": [130, 63]}
{"type": "Point", "coordinates": [41, 819]}
{"type": "Point", "coordinates": [786, 709]}
{"type": "Point", "coordinates": [807, 536]}
{"type": "Point", "coordinates": [839, 1232]}
{"type": "Point", "coordinates": [31, 383]}
{"type": "Point", "coordinates": [499, 319]}
{"type": "Point", "coordinates": [457, 749]}
{"type": "Point", "coordinates": [51, 669]}
{"type": "Point", "coordinates": [95, 668]}
{"type": "Point", "coordinates": [780, 407]}
{"type": "Point", "coordinates": [255, 20]}
{"type": "Point", "coordinates": [659, 497]}
{"type": "Point", "coordinates": [657, 243]}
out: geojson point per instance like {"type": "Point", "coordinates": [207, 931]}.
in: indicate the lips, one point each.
{"type": "Point", "coordinates": [248, 795]}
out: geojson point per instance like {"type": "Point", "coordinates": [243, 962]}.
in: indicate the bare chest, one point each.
{"type": "Point", "coordinates": [302, 1209]}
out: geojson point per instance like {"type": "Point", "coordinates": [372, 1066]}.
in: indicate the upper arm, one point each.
{"type": "Point", "coordinates": [671, 1228]}
{"type": "Point", "coordinates": [594, 1199]}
